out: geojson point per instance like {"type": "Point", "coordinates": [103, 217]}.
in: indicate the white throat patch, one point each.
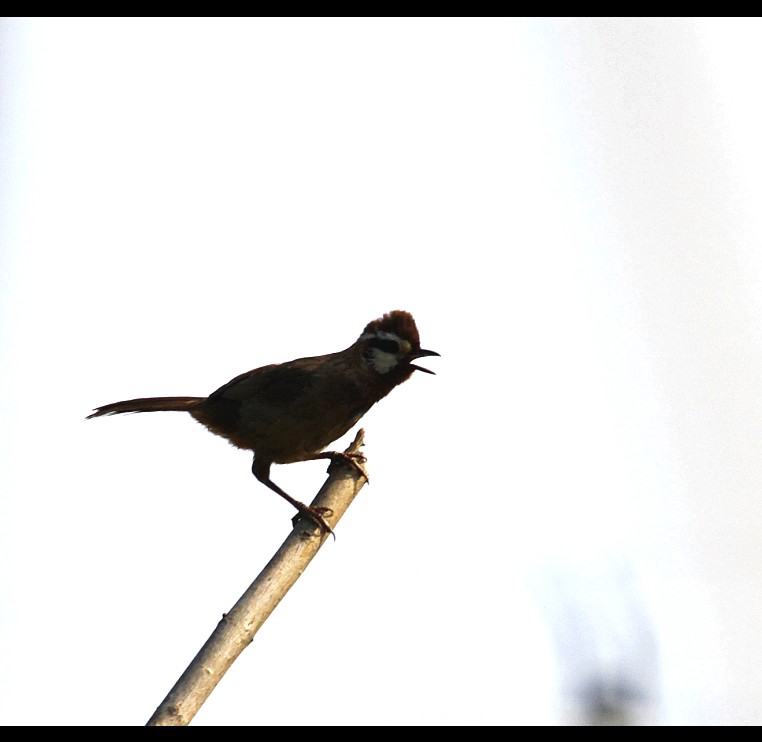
{"type": "Point", "coordinates": [383, 361]}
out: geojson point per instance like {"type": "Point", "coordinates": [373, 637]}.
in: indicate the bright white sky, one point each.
{"type": "Point", "coordinates": [570, 210]}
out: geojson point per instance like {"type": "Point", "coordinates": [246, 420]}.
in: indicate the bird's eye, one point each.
{"type": "Point", "coordinates": [387, 346]}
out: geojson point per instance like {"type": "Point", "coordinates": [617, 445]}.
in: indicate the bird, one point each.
{"type": "Point", "coordinates": [290, 412]}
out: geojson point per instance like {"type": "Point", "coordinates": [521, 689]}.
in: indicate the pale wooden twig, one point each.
{"type": "Point", "coordinates": [237, 628]}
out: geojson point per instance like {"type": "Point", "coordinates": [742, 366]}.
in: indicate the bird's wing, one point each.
{"type": "Point", "coordinates": [280, 384]}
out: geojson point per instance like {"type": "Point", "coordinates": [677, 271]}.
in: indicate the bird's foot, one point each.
{"type": "Point", "coordinates": [316, 514]}
{"type": "Point", "coordinates": [355, 460]}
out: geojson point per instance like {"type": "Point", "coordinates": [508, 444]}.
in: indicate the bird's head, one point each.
{"type": "Point", "coordinates": [390, 344]}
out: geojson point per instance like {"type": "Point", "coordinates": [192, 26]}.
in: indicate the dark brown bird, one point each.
{"type": "Point", "coordinates": [289, 412]}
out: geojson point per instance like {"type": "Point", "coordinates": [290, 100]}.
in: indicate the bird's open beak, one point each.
{"type": "Point", "coordinates": [420, 353]}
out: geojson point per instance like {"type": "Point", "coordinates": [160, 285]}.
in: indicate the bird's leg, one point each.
{"type": "Point", "coordinates": [261, 471]}
{"type": "Point", "coordinates": [355, 460]}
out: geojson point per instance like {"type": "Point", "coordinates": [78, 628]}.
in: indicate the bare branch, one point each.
{"type": "Point", "coordinates": [237, 628]}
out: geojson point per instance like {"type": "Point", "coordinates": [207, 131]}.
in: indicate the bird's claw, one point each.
{"type": "Point", "coordinates": [318, 516]}
{"type": "Point", "coordinates": [355, 460]}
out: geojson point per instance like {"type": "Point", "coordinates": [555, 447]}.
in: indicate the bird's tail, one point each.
{"type": "Point", "coordinates": [149, 404]}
